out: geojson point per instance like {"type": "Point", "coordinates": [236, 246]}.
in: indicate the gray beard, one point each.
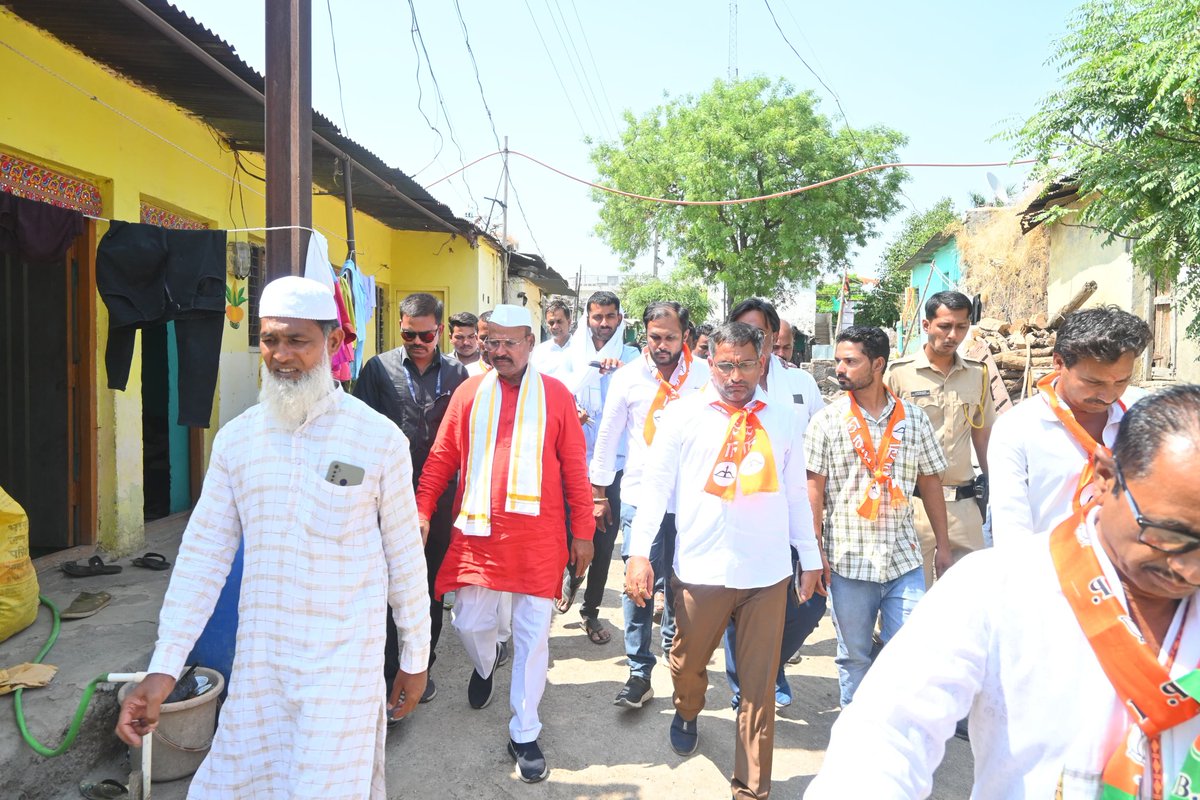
{"type": "Point", "coordinates": [290, 401]}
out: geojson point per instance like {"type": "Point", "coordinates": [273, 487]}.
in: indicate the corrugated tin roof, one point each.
{"type": "Point", "coordinates": [1056, 193]}
{"type": "Point", "coordinates": [111, 34]}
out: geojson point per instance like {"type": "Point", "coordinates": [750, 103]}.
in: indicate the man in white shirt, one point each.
{"type": "Point", "coordinates": [785, 384]}
{"type": "Point", "coordinates": [639, 394]}
{"type": "Point", "coordinates": [548, 357]}
{"type": "Point", "coordinates": [464, 338]}
{"type": "Point", "coordinates": [1055, 639]}
{"type": "Point", "coordinates": [484, 362]}
{"type": "Point", "coordinates": [733, 461]}
{"type": "Point", "coordinates": [596, 350]}
{"type": "Point", "coordinates": [1042, 452]}
{"type": "Point", "coordinates": [785, 342]}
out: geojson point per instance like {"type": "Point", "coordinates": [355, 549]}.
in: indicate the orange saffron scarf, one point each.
{"type": "Point", "coordinates": [746, 456]}
{"type": "Point", "coordinates": [879, 463]}
{"type": "Point", "coordinates": [666, 392]}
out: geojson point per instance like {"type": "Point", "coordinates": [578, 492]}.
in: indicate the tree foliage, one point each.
{"type": "Point", "coordinates": [1125, 126]}
{"type": "Point", "coordinates": [639, 291]}
{"type": "Point", "coordinates": [745, 139]}
{"type": "Point", "coordinates": [881, 306]}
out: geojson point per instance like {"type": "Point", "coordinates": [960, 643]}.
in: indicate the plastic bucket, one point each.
{"type": "Point", "coordinates": [185, 730]}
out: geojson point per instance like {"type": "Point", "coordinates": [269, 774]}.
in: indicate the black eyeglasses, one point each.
{"type": "Point", "coordinates": [425, 336]}
{"type": "Point", "coordinates": [1168, 539]}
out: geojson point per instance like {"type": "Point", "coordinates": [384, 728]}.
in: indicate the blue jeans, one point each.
{"type": "Point", "coordinates": [639, 622]}
{"type": "Point", "coordinates": [856, 605]}
{"type": "Point", "coordinates": [801, 619]}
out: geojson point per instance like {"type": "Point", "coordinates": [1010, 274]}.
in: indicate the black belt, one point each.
{"type": "Point", "coordinates": [966, 492]}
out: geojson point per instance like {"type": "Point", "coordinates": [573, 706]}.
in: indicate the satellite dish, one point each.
{"type": "Point", "coordinates": [997, 189]}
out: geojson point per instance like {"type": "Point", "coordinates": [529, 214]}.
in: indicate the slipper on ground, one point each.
{"type": "Point", "coordinates": [86, 604]}
{"type": "Point", "coordinates": [94, 566]}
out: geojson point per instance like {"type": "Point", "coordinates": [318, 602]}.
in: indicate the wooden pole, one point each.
{"type": "Point", "coordinates": [288, 134]}
{"type": "Point", "coordinates": [1086, 291]}
{"type": "Point", "coordinates": [348, 170]}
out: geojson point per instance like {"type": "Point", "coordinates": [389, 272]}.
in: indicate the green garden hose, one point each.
{"type": "Point", "coordinates": [77, 721]}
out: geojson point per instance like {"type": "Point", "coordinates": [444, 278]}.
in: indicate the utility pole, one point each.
{"type": "Point", "coordinates": [347, 175]}
{"type": "Point", "coordinates": [733, 69]}
{"type": "Point", "coordinates": [504, 226]}
{"type": "Point", "coordinates": [288, 134]}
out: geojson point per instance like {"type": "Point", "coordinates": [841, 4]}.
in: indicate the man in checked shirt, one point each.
{"type": "Point", "coordinates": [866, 452]}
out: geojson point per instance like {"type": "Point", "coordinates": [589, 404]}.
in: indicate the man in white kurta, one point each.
{"type": "Point", "coordinates": [325, 505]}
{"type": "Point", "coordinates": [997, 638]}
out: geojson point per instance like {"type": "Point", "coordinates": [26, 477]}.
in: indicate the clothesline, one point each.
{"type": "Point", "coordinates": [323, 231]}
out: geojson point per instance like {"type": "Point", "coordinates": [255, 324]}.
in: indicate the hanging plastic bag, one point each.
{"type": "Point", "coordinates": [18, 580]}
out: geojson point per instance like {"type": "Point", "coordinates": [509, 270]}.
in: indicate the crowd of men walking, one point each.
{"type": "Point", "coordinates": [746, 506]}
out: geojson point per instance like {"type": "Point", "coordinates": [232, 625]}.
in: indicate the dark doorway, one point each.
{"type": "Point", "coordinates": [48, 394]}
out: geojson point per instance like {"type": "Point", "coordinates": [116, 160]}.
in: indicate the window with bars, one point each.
{"type": "Point", "coordinates": [254, 284]}
{"type": "Point", "coordinates": [380, 320]}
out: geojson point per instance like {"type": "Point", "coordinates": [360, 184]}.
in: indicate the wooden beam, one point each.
{"type": "Point", "coordinates": [288, 134]}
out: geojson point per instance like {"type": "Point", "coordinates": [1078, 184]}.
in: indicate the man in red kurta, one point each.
{"type": "Point", "coordinates": [515, 438]}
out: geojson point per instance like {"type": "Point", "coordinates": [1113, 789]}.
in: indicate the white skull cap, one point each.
{"type": "Point", "coordinates": [507, 316]}
{"type": "Point", "coordinates": [298, 298]}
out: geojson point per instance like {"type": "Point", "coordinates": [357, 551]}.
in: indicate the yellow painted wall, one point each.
{"type": "Point", "coordinates": [1079, 255]}
{"type": "Point", "coordinates": [178, 164]}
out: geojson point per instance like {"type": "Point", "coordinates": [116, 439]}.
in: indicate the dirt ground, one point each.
{"type": "Point", "coordinates": [596, 750]}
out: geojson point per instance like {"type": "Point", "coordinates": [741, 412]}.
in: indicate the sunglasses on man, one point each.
{"type": "Point", "coordinates": [425, 336]}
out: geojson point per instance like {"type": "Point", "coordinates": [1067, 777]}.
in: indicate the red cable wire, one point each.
{"type": "Point", "coordinates": [739, 201]}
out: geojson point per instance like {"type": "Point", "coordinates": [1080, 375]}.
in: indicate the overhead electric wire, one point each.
{"type": "Point", "coordinates": [415, 33]}
{"type": "Point", "coordinates": [495, 134]}
{"type": "Point", "coordinates": [743, 200]}
{"type": "Point", "coordinates": [581, 77]}
{"type": "Point", "coordinates": [336, 69]}
{"type": "Point", "coordinates": [554, 67]}
{"type": "Point", "coordinates": [595, 69]}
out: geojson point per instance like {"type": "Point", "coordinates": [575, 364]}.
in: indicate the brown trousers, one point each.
{"type": "Point", "coordinates": [701, 614]}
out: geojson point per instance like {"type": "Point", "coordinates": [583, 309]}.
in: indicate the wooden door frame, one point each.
{"type": "Point", "coordinates": [82, 426]}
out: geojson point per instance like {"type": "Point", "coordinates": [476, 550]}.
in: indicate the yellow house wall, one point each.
{"type": "Point", "coordinates": [1079, 255]}
{"type": "Point", "coordinates": [179, 166]}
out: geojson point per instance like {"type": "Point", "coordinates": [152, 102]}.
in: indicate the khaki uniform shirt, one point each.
{"type": "Point", "coordinates": [956, 404]}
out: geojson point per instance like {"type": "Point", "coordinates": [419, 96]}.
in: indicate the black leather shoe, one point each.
{"type": "Point", "coordinates": [685, 736]}
{"type": "Point", "coordinates": [531, 764]}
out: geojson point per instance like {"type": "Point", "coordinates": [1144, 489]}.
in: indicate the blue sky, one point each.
{"type": "Point", "coordinates": [948, 75]}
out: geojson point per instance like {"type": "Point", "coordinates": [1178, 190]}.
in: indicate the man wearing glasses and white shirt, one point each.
{"type": "Point", "coordinates": [1051, 644]}
{"type": "Point", "coordinates": [732, 459]}
{"type": "Point", "coordinates": [411, 386]}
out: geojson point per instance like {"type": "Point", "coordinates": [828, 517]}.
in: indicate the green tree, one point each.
{"type": "Point", "coordinates": [881, 305]}
{"type": "Point", "coordinates": [745, 139]}
{"type": "Point", "coordinates": [639, 291]}
{"type": "Point", "coordinates": [1124, 126]}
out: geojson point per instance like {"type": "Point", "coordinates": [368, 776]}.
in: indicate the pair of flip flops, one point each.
{"type": "Point", "coordinates": [96, 566]}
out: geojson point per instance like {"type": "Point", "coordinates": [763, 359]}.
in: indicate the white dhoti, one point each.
{"type": "Point", "coordinates": [478, 617]}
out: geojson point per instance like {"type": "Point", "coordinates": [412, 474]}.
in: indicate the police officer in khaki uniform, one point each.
{"type": "Point", "coordinates": [954, 393]}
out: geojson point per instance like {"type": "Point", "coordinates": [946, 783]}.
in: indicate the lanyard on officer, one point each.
{"type": "Point", "coordinates": [437, 389]}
